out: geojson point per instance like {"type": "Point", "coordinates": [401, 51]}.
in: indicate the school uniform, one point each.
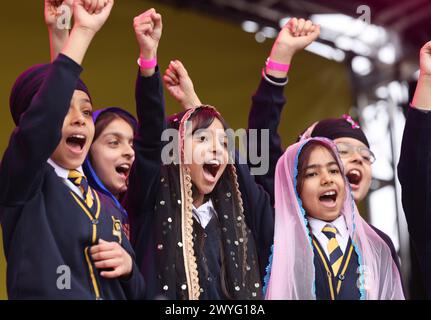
{"type": "Point", "coordinates": [265, 113]}
{"type": "Point", "coordinates": [207, 239]}
{"type": "Point", "coordinates": [341, 285]}
{"type": "Point", "coordinates": [146, 184]}
{"type": "Point", "coordinates": [414, 176]}
{"type": "Point", "coordinates": [314, 259]}
{"type": "Point", "coordinates": [48, 228]}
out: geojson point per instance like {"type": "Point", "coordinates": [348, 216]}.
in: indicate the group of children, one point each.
{"type": "Point", "coordinates": [90, 191]}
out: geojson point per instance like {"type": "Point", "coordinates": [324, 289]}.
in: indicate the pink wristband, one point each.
{"type": "Point", "coordinates": [277, 66]}
{"type": "Point", "coordinates": [147, 64]}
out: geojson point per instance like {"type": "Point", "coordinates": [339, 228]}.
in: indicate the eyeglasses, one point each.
{"type": "Point", "coordinates": [346, 150]}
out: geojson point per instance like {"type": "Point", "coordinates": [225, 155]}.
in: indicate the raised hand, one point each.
{"type": "Point", "coordinates": [293, 37]}
{"type": "Point", "coordinates": [91, 15]}
{"type": "Point", "coordinates": [422, 97]}
{"type": "Point", "coordinates": [148, 29]}
{"type": "Point", "coordinates": [58, 16]}
{"type": "Point", "coordinates": [94, 6]}
{"type": "Point", "coordinates": [53, 13]}
{"type": "Point", "coordinates": [425, 59]}
{"type": "Point", "coordinates": [111, 256]}
{"type": "Point", "coordinates": [180, 86]}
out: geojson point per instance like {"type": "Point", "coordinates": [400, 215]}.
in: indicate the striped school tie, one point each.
{"type": "Point", "coordinates": [79, 180]}
{"type": "Point", "coordinates": [335, 253]}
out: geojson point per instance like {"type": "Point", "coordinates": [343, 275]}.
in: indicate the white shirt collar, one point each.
{"type": "Point", "coordinates": [204, 213]}
{"type": "Point", "coordinates": [205, 206]}
{"type": "Point", "coordinates": [60, 171]}
{"type": "Point", "coordinates": [339, 223]}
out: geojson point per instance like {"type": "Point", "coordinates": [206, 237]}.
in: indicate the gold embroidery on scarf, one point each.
{"type": "Point", "coordinates": [190, 265]}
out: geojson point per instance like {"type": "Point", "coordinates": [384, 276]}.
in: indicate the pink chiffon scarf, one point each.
{"type": "Point", "coordinates": [291, 273]}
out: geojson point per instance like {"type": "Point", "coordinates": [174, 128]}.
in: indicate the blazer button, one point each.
{"type": "Point", "coordinates": [95, 221]}
{"type": "Point", "coordinates": [341, 277]}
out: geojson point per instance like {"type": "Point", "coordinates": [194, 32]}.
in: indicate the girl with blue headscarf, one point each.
{"type": "Point", "coordinates": [111, 155]}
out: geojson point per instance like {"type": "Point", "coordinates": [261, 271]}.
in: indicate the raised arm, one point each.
{"type": "Point", "coordinates": [90, 16]}
{"type": "Point", "coordinates": [180, 86]}
{"type": "Point", "coordinates": [148, 30]}
{"type": "Point", "coordinates": [58, 16]}
{"type": "Point", "coordinates": [414, 168]}
{"type": "Point", "coordinates": [422, 97]}
{"type": "Point", "coordinates": [144, 176]}
{"type": "Point", "coordinates": [38, 129]}
{"type": "Point", "coordinates": [268, 101]}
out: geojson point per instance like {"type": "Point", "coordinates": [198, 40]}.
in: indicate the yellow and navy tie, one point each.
{"type": "Point", "coordinates": [79, 180]}
{"type": "Point", "coordinates": [335, 253]}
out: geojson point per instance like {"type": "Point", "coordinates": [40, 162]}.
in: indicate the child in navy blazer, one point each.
{"type": "Point", "coordinates": [62, 239]}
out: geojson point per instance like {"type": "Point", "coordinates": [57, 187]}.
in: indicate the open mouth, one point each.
{"type": "Point", "coordinates": [212, 167]}
{"type": "Point", "coordinates": [354, 176]}
{"type": "Point", "coordinates": [123, 169]}
{"type": "Point", "coordinates": [76, 142]}
{"type": "Point", "coordinates": [329, 197]}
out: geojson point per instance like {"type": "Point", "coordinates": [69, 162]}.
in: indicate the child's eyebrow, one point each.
{"type": "Point", "coordinates": [317, 166]}
{"type": "Point", "coordinates": [200, 131]}
{"type": "Point", "coordinates": [312, 166]}
{"type": "Point", "coordinates": [85, 100]}
{"type": "Point", "coordinates": [116, 134]}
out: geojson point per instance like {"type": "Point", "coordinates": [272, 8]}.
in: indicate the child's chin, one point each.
{"type": "Point", "coordinates": [357, 195]}
{"type": "Point", "coordinates": [205, 190]}
{"type": "Point", "coordinates": [77, 161]}
{"type": "Point", "coordinates": [331, 216]}
{"type": "Point", "coordinates": [75, 164]}
{"type": "Point", "coordinates": [69, 164]}
{"type": "Point", "coordinates": [121, 189]}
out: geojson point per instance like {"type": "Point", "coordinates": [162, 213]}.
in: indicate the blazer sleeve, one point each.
{"type": "Point", "coordinates": [265, 113]}
{"type": "Point", "coordinates": [144, 177]}
{"type": "Point", "coordinates": [38, 134]}
{"type": "Point", "coordinates": [259, 214]}
{"type": "Point", "coordinates": [414, 173]}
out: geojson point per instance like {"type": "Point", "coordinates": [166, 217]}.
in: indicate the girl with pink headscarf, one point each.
{"type": "Point", "coordinates": [323, 249]}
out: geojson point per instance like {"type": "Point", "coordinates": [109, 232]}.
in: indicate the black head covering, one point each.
{"type": "Point", "coordinates": [27, 85]}
{"type": "Point", "coordinates": [239, 269]}
{"type": "Point", "coordinates": [339, 128]}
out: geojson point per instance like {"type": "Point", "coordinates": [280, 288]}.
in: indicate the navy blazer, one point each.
{"type": "Point", "coordinates": [47, 229]}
